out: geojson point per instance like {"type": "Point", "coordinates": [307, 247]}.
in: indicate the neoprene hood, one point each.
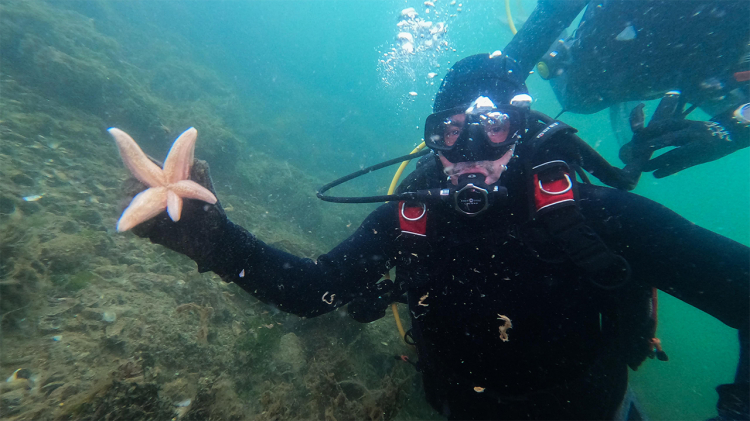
{"type": "Point", "coordinates": [497, 78]}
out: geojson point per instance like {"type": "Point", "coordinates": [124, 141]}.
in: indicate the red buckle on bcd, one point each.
{"type": "Point", "coordinates": [412, 219]}
{"type": "Point", "coordinates": [552, 185]}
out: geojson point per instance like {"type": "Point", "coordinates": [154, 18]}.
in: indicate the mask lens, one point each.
{"type": "Point", "coordinates": [451, 131]}
{"type": "Point", "coordinates": [444, 130]}
{"type": "Point", "coordinates": [496, 125]}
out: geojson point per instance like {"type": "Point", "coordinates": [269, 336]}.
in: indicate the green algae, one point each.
{"type": "Point", "coordinates": [80, 280]}
{"type": "Point", "coordinates": [69, 71]}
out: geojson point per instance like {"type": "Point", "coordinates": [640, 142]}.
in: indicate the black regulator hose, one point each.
{"type": "Point", "coordinates": [592, 162]}
{"type": "Point", "coordinates": [370, 199]}
{"type": "Point", "coordinates": [588, 159]}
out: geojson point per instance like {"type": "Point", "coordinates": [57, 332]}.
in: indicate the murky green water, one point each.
{"type": "Point", "coordinates": [286, 95]}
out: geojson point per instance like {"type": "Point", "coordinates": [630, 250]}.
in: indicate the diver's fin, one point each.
{"type": "Point", "coordinates": [618, 120]}
{"type": "Point", "coordinates": [637, 118]}
{"type": "Point", "coordinates": [630, 408]}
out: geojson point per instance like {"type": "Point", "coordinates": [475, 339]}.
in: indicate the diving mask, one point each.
{"type": "Point", "coordinates": [482, 131]}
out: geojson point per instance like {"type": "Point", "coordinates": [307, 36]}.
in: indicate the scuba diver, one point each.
{"type": "Point", "coordinates": [640, 50]}
{"type": "Point", "coordinates": [530, 293]}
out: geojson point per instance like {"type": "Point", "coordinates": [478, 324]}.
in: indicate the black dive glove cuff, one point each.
{"type": "Point", "coordinates": [739, 132]}
{"type": "Point", "coordinates": [694, 142]}
{"type": "Point", "coordinates": [199, 232]}
{"type": "Point", "coordinates": [734, 398]}
{"type": "Point", "coordinates": [733, 401]}
{"type": "Point", "coordinates": [368, 309]}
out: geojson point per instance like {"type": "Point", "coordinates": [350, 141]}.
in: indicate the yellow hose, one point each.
{"type": "Point", "coordinates": [401, 331]}
{"type": "Point", "coordinates": [400, 170]}
{"type": "Point", "coordinates": [397, 176]}
{"type": "Point", "coordinates": [510, 17]}
{"type": "Point", "coordinates": [391, 189]}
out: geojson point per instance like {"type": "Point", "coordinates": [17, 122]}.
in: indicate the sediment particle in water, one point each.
{"type": "Point", "coordinates": [109, 316]}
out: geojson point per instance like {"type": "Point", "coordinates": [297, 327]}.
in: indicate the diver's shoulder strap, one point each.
{"type": "Point", "coordinates": [554, 211]}
{"type": "Point", "coordinates": [553, 128]}
{"type": "Point", "coordinates": [556, 140]}
{"type": "Point", "coordinates": [424, 176]}
{"type": "Point", "coordinates": [413, 245]}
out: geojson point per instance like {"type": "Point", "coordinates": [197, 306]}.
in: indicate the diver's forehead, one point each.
{"type": "Point", "coordinates": [456, 119]}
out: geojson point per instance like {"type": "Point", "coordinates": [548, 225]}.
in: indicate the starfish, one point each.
{"type": "Point", "coordinates": [167, 186]}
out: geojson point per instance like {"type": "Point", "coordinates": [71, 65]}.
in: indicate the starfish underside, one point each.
{"type": "Point", "coordinates": [167, 186]}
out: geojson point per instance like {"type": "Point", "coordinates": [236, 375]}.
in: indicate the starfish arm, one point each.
{"type": "Point", "coordinates": [191, 190]}
{"type": "Point", "coordinates": [180, 157]}
{"type": "Point", "coordinates": [136, 161]}
{"type": "Point", "coordinates": [145, 205]}
{"type": "Point", "coordinates": [174, 205]}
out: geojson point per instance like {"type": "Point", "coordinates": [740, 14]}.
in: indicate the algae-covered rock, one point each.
{"type": "Point", "coordinates": [23, 180]}
{"type": "Point", "coordinates": [290, 355]}
{"type": "Point", "coordinates": [10, 402]}
{"type": "Point", "coordinates": [70, 70]}
{"type": "Point", "coordinates": [216, 399]}
{"type": "Point", "coordinates": [7, 206]}
{"type": "Point", "coordinates": [123, 401]}
{"type": "Point", "coordinates": [88, 216]}
{"type": "Point", "coordinates": [67, 254]}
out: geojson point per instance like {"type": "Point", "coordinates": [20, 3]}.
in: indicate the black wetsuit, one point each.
{"type": "Point", "coordinates": [559, 362]}
{"type": "Point", "coordinates": [625, 50]}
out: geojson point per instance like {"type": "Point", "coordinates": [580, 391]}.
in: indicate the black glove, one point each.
{"type": "Point", "coordinates": [201, 227]}
{"type": "Point", "coordinates": [367, 309]}
{"type": "Point", "coordinates": [733, 402]}
{"type": "Point", "coordinates": [696, 142]}
{"type": "Point", "coordinates": [372, 306]}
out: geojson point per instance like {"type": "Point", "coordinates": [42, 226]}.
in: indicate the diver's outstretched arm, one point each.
{"type": "Point", "coordinates": [700, 267]}
{"type": "Point", "coordinates": [544, 26]}
{"type": "Point", "coordinates": [296, 285]}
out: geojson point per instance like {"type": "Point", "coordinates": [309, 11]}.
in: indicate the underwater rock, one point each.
{"type": "Point", "coordinates": [89, 216]}
{"type": "Point", "coordinates": [64, 392]}
{"type": "Point", "coordinates": [115, 329]}
{"type": "Point", "coordinates": [70, 227]}
{"type": "Point", "coordinates": [27, 275]}
{"type": "Point", "coordinates": [50, 387]}
{"type": "Point", "coordinates": [18, 384]}
{"type": "Point", "coordinates": [30, 208]}
{"type": "Point", "coordinates": [48, 325]}
{"type": "Point", "coordinates": [179, 391]}
{"type": "Point", "coordinates": [10, 402]}
{"type": "Point", "coordinates": [92, 313]}
{"type": "Point", "coordinates": [116, 345]}
{"type": "Point", "coordinates": [215, 400]}
{"type": "Point", "coordinates": [56, 208]}
{"type": "Point", "coordinates": [66, 254]}
{"type": "Point", "coordinates": [123, 401]}
{"type": "Point", "coordinates": [291, 353]}
{"type": "Point", "coordinates": [23, 180]}
{"type": "Point", "coordinates": [7, 206]}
